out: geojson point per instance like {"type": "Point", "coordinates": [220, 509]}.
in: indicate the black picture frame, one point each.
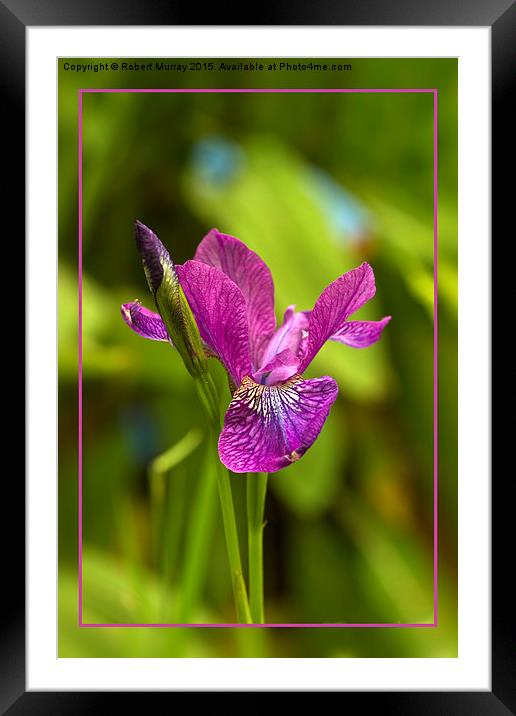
{"type": "Point", "coordinates": [15, 16]}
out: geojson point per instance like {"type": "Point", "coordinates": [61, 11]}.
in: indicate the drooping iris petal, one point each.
{"type": "Point", "coordinates": [254, 279]}
{"type": "Point", "coordinates": [220, 312]}
{"type": "Point", "coordinates": [292, 334]}
{"type": "Point", "coordinates": [338, 301]}
{"type": "Point", "coordinates": [282, 366]}
{"type": "Point", "coordinates": [360, 334]}
{"type": "Point", "coordinates": [144, 322]}
{"type": "Point", "coordinates": [267, 428]}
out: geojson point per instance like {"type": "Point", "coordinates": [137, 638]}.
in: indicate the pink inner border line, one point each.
{"type": "Point", "coordinates": [79, 397]}
{"type": "Point", "coordinates": [436, 451]}
{"type": "Point", "coordinates": [255, 91]}
{"type": "Point", "coordinates": [436, 365]}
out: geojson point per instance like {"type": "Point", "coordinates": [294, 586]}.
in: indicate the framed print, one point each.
{"type": "Point", "coordinates": [277, 491]}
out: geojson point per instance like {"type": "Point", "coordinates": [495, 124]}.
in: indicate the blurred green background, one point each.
{"type": "Point", "coordinates": [316, 184]}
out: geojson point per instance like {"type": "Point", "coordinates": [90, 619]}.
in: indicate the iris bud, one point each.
{"type": "Point", "coordinates": [170, 300]}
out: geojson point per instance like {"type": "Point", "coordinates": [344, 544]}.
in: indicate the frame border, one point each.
{"type": "Point", "coordinates": [500, 15]}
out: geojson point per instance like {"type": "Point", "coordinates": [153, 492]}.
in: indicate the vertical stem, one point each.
{"type": "Point", "coordinates": [256, 491]}
{"type": "Point", "coordinates": [230, 529]}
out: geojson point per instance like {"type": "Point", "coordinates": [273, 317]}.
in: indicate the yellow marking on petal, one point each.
{"type": "Point", "coordinates": [252, 393]}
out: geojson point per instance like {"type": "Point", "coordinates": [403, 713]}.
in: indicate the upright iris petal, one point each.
{"type": "Point", "coordinates": [281, 356]}
{"type": "Point", "coordinates": [338, 301]}
{"type": "Point", "coordinates": [252, 276]}
{"type": "Point", "coordinates": [292, 334]}
{"type": "Point", "coordinates": [220, 311]}
{"type": "Point", "coordinates": [281, 367]}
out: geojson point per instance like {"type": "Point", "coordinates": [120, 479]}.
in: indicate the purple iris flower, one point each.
{"type": "Point", "coordinates": [275, 415]}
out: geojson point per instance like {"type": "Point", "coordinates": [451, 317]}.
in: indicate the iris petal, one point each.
{"type": "Point", "coordinates": [292, 334]}
{"type": "Point", "coordinates": [335, 304]}
{"type": "Point", "coordinates": [267, 428]}
{"type": "Point", "coordinates": [144, 322]}
{"type": "Point", "coordinates": [254, 279]}
{"type": "Point", "coordinates": [360, 334]}
{"type": "Point", "coordinates": [220, 312]}
{"type": "Point", "coordinates": [282, 367]}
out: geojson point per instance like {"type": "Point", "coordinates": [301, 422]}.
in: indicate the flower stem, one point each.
{"type": "Point", "coordinates": [209, 398]}
{"type": "Point", "coordinates": [256, 491]}
{"type": "Point", "coordinates": [230, 529]}
{"type": "Point", "coordinates": [207, 392]}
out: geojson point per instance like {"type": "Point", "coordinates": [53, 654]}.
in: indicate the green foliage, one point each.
{"type": "Point", "coordinates": [309, 487]}
{"type": "Point", "coordinates": [119, 592]}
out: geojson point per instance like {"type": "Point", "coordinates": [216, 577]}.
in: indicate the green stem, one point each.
{"type": "Point", "coordinates": [256, 491]}
{"type": "Point", "coordinates": [209, 398]}
{"type": "Point", "coordinates": [230, 530]}
{"type": "Point", "coordinates": [207, 392]}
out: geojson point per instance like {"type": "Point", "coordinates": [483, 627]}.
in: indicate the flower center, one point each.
{"type": "Point", "coordinates": [285, 349]}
